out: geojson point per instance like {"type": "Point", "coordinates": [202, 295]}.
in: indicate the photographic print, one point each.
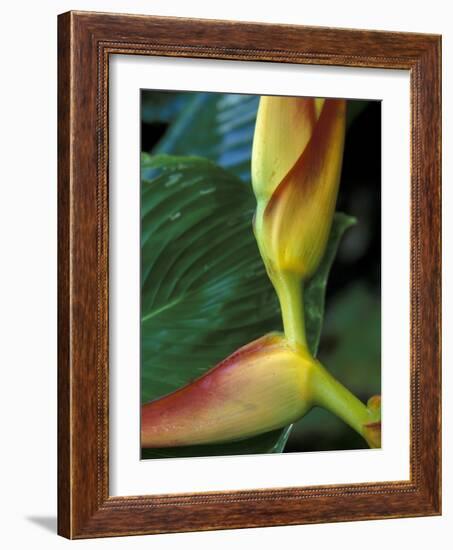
{"type": "Point", "coordinates": [260, 274]}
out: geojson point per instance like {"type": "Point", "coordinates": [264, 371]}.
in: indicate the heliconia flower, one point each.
{"type": "Point", "coordinates": [262, 386]}
{"type": "Point", "coordinates": [296, 166]}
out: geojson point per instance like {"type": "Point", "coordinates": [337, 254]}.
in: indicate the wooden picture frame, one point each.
{"type": "Point", "coordinates": [85, 41]}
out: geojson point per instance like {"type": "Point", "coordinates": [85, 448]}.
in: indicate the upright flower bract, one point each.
{"type": "Point", "coordinates": [296, 167]}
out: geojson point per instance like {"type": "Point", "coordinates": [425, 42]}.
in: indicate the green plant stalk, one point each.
{"type": "Point", "coordinates": [290, 294]}
{"type": "Point", "coordinates": [330, 394]}
{"type": "Point", "coordinates": [327, 391]}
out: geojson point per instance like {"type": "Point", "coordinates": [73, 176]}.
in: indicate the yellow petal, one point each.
{"type": "Point", "coordinates": [296, 221]}
{"type": "Point", "coordinates": [284, 126]}
{"type": "Point", "coordinates": [261, 387]}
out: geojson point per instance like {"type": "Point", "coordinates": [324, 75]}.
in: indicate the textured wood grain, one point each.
{"type": "Point", "coordinates": [64, 367]}
{"type": "Point", "coordinates": [85, 42]}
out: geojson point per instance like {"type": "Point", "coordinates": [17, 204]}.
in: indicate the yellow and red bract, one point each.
{"type": "Point", "coordinates": [296, 166]}
{"type": "Point", "coordinates": [262, 386]}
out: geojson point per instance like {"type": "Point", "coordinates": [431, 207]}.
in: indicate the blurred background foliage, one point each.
{"type": "Point", "coordinates": [219, 127]}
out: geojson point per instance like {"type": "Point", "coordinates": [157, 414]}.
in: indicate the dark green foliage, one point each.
{"type": "Point", "coordinates": [218, 127]}
{"type": "Point", "coordinates": [315, 290]}
{"type": "Point", "coordinates": [163, 107]}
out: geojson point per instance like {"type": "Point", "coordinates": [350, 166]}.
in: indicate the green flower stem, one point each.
{"type": "Point", "coordinates": [327, 392]}
{"type": "Point", "coordinates": [333, 396]}
{"type": "Point", "coordinates": [290, 294]}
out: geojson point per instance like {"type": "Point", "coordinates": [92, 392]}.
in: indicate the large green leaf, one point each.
{"type": "Point", "coordinates": [316, 288]}
{"type": "Point", "coordinates": [204, 288]}
{"type": "Point", "coordinates": [215, 126]}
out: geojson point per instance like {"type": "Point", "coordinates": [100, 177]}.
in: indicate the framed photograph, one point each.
{"type": "Point", "coordinates": [249, 275]}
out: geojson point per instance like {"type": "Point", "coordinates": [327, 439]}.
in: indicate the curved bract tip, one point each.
{"type": "Point", "coordinates": [260, 387]}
